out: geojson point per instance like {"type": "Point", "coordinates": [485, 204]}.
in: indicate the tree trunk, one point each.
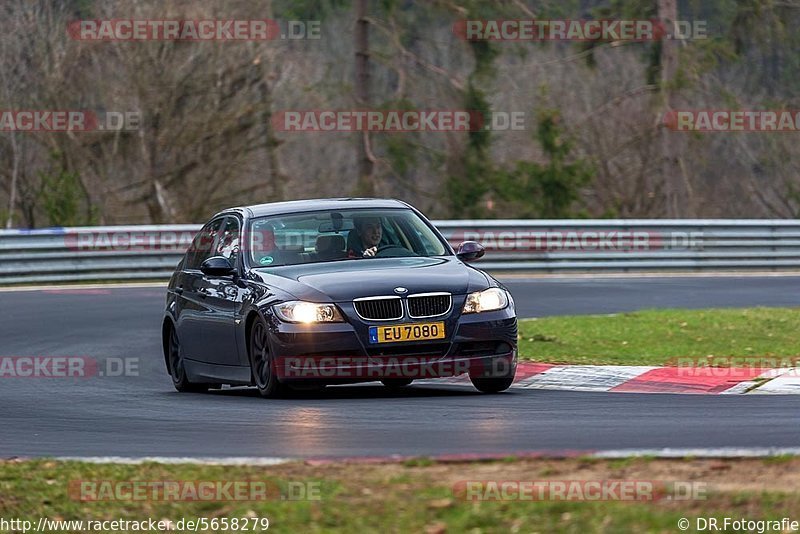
{"type": "Point", "coordinates": [158, 204]}
{"type": "Point", "coordinates": [265, 67]}
{"type": "Point", "coordinates": [675, 184]}
{"type": "Point", "coordinates": [277, 178]}
{"type": "Point", "coordinates": [12, 197]}
{"type": "Point", "coordinates": [366, 178]}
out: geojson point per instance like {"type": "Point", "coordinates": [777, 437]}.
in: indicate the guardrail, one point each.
{"type": "Point", "coordinates": [596, 245]}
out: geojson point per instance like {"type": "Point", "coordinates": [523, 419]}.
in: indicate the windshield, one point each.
{"type": "Point", "coordinates": [335, 235]}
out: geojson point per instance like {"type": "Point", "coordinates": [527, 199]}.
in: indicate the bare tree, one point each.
{"type": "Point", "coordinates": [676, 186]}
{"type": "Point", "coordinates": [366, 178]}
{"type": "Point", "coordinates": [13, 85]}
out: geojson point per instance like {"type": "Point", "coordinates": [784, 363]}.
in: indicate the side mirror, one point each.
{"type": "Point", "coordinates": [470, 251]}
{"type": "Point", "coordinates": [217, 266]}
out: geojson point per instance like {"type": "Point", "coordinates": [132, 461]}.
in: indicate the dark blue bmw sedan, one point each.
{"type": "Point", "coordinates": [314, 292]}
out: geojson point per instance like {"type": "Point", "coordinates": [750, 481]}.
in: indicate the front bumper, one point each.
{"type": "Point", "coordinates": [482, 345]}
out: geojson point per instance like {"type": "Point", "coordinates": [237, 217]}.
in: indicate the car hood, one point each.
{"type": "Point", "coordinates": [345, 280]}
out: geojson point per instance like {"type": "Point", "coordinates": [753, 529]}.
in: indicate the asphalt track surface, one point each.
{"type": "Point", "coordinates": [143, 416]}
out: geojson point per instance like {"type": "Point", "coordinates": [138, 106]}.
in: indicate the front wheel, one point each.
{"type": "Point", "coordinates": [177, 367]}
{"type": "Point", "coordinates": [494, 383]}
{"type": "Point", "coordinates": [262, 363]}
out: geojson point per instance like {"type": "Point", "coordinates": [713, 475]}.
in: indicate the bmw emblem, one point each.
{"type": "Point", "coordinates": [400, 290]}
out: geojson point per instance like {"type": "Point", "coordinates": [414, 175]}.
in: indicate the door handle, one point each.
{"type": "Point", "coordinates": [203, 292]}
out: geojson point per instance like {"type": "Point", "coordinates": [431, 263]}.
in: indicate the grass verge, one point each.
{"type": "Point", "coordinates": [419, 498]}
{"type": "Point", "coordinates": [654, 337]}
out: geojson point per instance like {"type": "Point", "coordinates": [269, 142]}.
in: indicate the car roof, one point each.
{"type": "Point", "coordinates": [317, 204]}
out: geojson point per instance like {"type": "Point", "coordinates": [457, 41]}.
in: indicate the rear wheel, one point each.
{"type": "Point", "coordinates": [396, 383]}
{"type": "Point", "coordinates": [177, 367]}
{"type": "Point", "coordinates": [262, 363]}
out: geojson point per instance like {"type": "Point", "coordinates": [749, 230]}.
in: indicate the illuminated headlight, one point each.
{"type": "Point", "coordinates": [490, 299]}
{"type": "Point", "coordinates": [297, 311]}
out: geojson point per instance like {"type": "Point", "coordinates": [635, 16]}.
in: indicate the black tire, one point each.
{"type": "Point", "coordinates": [396, 383]}
{"type": "Point", "coordinates": [262, 365]}
{"type": "Point", "coordinates": [494, 384]}
{"type": "Point", "coordinates": [177, 369]}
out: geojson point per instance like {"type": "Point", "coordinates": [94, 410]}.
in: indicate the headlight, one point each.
{"type": "Point", "coordinates": [490, 299]}
{"type": "Point", "coordinates": [297, 311]}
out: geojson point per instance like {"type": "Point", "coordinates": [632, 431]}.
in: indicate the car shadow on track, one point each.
{"type": "Point", "coordinates": [357, 391]}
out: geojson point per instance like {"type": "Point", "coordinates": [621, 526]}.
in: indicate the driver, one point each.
{"type": "Point", "coordinates": [367, 237]}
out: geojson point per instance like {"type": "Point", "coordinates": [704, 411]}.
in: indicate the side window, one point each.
{"type": "Point", "coordinates": [203, 245]}
{"type": "Point", "coordinates": [228, 242]}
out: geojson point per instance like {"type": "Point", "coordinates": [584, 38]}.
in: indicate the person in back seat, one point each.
{"type": "Point", "coordinates": [267, 253]}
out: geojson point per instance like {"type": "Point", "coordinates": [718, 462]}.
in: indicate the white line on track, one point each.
{"type": "Point", "coordinates": [232, 460]}
{"type": "Point", "coordinates": [719, 452]}
{"type": "Point", "coordinates": [56, 287]}
{"type": "Point", "coordinates": [500, 275]}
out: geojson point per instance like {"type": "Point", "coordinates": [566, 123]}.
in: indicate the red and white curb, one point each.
{"type": "Point", "coordinates": [649, 379]}
{"type": "Point", "coordinates": [786, 383]}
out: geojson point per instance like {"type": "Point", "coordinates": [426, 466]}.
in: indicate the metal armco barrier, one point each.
{"type": "Point", "coordinates": [592, 245]}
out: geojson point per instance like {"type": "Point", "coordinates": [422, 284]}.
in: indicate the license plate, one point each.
{"type": "Point", "coordinates": [406, 332]}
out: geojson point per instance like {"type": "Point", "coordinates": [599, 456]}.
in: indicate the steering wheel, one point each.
{"type": "Point", "coordinates": [384, 248]}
